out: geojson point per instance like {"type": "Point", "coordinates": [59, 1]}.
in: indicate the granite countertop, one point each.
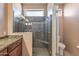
{"type": "Point", "coordinates": [8, 40]}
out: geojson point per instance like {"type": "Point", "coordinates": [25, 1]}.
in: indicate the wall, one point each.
{"type": "Point", "coordinates": [71, 28]}
{"type": "Point", "coordinates": [27, 36]}
{"type": "Point", "coordinates": [3, 22]}
{"type": "Point", "coordinates": [36, 6]}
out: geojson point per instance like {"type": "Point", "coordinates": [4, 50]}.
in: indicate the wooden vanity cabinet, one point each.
{"type": "Point", "coordinates": [15, 49]}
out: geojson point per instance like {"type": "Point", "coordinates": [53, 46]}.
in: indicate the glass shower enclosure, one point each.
{"type": "Point", "coordinates": [42, 36]}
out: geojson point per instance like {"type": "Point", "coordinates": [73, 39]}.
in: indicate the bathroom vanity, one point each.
{"type": "Point", "coordinates": [11, 46]}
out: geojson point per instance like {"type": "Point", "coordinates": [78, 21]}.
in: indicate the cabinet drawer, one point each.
{"type": "Point", "coordinates": [14, 45]}
{"type": "Point", "coordinates": [3, 52]}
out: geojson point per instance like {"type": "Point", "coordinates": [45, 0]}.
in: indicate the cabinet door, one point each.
{"type": "Point", "coordinates": [17, 51]}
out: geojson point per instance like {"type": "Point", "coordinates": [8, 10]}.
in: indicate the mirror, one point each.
{"type": "Point", "coordinates": [20, 22]}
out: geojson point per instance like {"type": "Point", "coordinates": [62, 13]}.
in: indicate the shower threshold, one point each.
{"type": "Point", "coordinates": [40, 52]}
